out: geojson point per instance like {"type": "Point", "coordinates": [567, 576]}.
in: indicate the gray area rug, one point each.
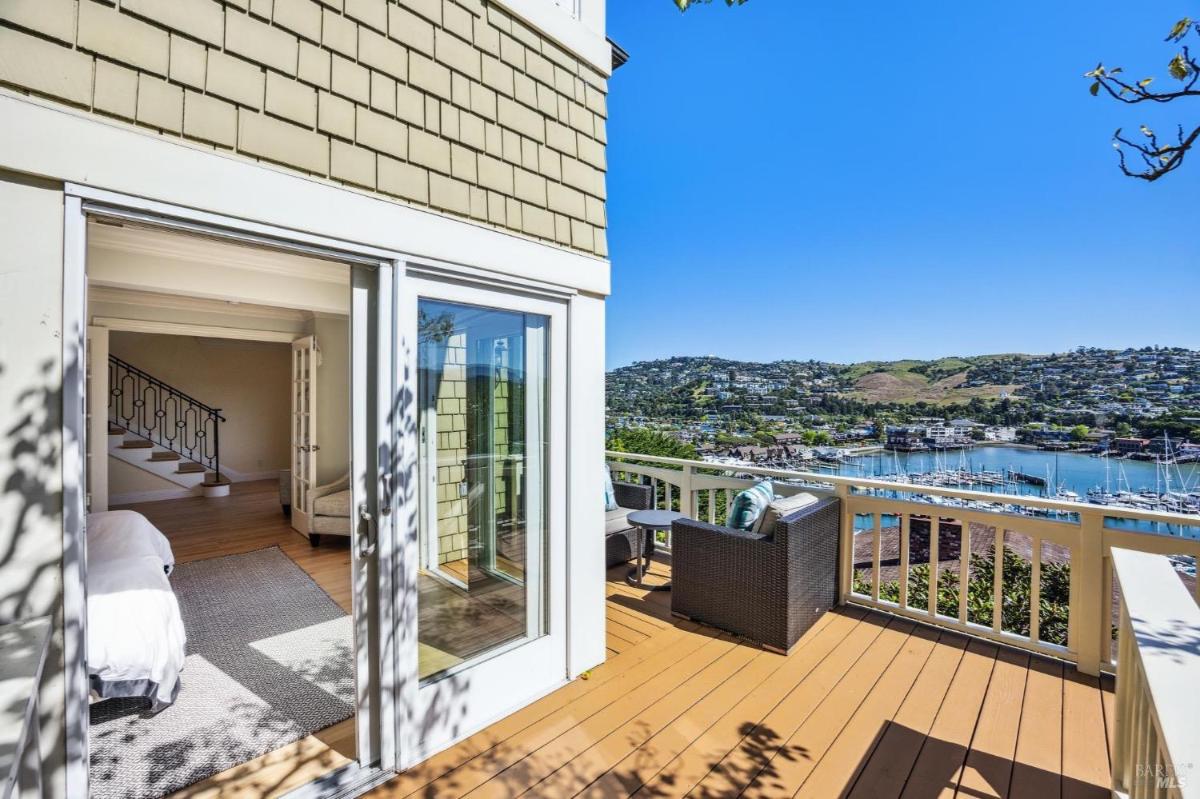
{"type": "Point", "coordinates": [270, 660]}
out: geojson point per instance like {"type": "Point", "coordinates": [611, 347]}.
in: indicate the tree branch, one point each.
{"type": "Point", "coordinates": [1159, 160]}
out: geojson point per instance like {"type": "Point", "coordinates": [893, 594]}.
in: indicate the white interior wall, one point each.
{"type": "Point", "coordinates": [333, 397]}
{"type": "Point", "coordinates": [248, 380]}
{"type": "Point", "coordinates": [127, 484]}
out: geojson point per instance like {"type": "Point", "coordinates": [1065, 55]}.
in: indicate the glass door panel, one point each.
{"type": "Point", "coordinates": [483, 437]}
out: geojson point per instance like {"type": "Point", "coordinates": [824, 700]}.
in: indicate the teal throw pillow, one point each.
{"type": "Point", "coordinates": [748, 505]}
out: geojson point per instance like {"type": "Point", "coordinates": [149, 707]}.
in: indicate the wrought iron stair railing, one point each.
{"type": "Point", "coordinates": [158, 412]}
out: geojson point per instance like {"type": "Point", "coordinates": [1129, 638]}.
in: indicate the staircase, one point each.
{"type": "Point", "coordinates": [160, 429]}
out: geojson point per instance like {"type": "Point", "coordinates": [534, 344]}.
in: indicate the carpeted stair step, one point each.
{"type": "Point", "coordinates": [190, 468]}
{"type": "Point", "coordinates": [139, 443]}
{"type": "Point", "coordinates": [165, 456]}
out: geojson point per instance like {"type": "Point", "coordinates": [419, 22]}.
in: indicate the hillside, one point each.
{"type": "Point", "coordinates": [938, 382]}
{"type": "Point", "coordinates": [1085, 383]}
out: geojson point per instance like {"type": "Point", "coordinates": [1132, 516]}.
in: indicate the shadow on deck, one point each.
{"type": "Point", "coordinates": [866, 705]}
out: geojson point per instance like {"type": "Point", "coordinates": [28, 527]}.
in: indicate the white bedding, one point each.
{"type": "Point", "coordinates": [136, 642]}
{"type": "Point", "coordinates": [117, 534]}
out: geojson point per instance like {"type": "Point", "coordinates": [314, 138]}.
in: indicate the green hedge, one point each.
{"type": "Point", "coordinates": [1055, 594]}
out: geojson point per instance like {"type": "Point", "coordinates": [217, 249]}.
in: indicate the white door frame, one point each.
{"type": "Point", "coordinates": [467, 698]}
{"type": "Point", "coordinates": [81, 202]}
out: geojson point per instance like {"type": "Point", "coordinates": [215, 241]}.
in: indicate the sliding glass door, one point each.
{"type": "Point", "coordinates": [490, 589]}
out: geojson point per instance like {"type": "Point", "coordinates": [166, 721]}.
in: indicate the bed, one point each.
{"type": "Point", "coordinates": [135, 638]}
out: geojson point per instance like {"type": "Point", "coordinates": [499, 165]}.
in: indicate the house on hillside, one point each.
{"type": "Point", "coordinates": [297, 298]}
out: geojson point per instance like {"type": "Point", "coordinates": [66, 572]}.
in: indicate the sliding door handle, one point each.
{"type": "Point", "coordinates": [385, 501]}
{"type": "Point", "coordinates": [365, 536]}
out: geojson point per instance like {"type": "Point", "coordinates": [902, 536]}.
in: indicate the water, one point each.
{"type": "Point", "coordinates": [1068, 470]}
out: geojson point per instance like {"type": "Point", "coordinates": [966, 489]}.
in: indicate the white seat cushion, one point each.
{"type": "Point", "coordinates": [330, 525]}
{"type": "Point", "coordinates": [335, 504]}
{"type": "Point", "coordinates": [780, 507]}
{"type": "Point", "coordinates": [616, 520]}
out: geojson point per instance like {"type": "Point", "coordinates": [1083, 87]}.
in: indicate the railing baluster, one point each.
{"type": "Point", "coordinates": [964, 569]}
{"type": "Point", "coordinates": [935, 523]}
{"type": "Point", "coordinates": [1035, 590]}
{"type": "Point", "coordinates": [687, 496]}
{"type": "Point", "coordinates": [875, 554]}
{"type": "Point", "coordinates": [998, 580]}
{"type": "Point", "coordinates": [904, 560]}
{"type": "Point", "coordinates": [1140, 720]}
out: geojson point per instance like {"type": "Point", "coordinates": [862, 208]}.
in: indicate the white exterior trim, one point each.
{"type": "Point", "coordinates": [74, 438]}
{"type": "Point", "coordinates": [58, 143]}
{"type": "Point", "coordinates": [201, 331]}
{"type": "Point", "coordinates": [582, 34]}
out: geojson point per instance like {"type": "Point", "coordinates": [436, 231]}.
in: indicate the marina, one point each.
{"type": "Point", "coordinates": [1022, 471]}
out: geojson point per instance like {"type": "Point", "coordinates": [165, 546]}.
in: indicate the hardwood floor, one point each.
{"type": "Point", "coordinates": [248, 519]}
{"type": "Point", "coordinates": [866, 705]}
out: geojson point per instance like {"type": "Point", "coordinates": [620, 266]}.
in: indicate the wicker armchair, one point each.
{"type": "Point", "coordinates": [620, 537]}
{"type": "Point", "coordinates": [768, 587]}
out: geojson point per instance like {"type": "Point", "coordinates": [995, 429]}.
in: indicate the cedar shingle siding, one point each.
{"type": "Point", "coordinates": [453, 105]}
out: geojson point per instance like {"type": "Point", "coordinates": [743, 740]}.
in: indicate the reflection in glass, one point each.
{"type": "Point", "coordinates": [482, 431]}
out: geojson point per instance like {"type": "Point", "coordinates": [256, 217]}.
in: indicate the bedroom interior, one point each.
{"type": "Point", "coordinates": [221, 641]}
{"type": "Point", "coordinates": [221, 612]}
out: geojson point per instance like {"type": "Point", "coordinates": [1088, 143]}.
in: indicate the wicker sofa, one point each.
{"type": "Point", "coordinates": [769, 587]}
{"type": "Point", "coordinates": [620, 537]}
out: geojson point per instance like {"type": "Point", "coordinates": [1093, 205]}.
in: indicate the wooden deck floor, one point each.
{"type": "Point", "coordinates": [865, 706]}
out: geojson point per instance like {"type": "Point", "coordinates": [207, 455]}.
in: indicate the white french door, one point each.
{"type": "Point", "coordinates": [484, 550]}
{"type": "Point", "coordinates": [305, 357]}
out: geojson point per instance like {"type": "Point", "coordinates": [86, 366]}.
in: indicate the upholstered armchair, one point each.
{"type": "Point", "coordinates": [330, 510]}
{"type": "Point", "coordinates": [620, 537]}
{"type": "Point", "coordinates": [769, 586]}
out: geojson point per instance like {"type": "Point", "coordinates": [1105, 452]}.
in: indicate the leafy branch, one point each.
{"type": "Point", "coordinates": [1157, 156]}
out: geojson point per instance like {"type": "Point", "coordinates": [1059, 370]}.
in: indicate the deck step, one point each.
{"type": "Point", "coordinates": [166, 456]}
{"type": "Point", "coordinates": [190, 468]}
{"type": "Point", "coordinates": [139, 443]}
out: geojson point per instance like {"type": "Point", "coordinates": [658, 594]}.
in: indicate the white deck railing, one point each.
{"type": "Point", "coordinates": [1157, 747]}
{"type": "Point", "coordinates": [23, 648]}
{"type": "Point", "coordinates": [890, 549]}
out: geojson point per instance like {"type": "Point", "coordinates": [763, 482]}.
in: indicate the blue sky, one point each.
{"type": "Point", "coordinates": [854, 181]}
